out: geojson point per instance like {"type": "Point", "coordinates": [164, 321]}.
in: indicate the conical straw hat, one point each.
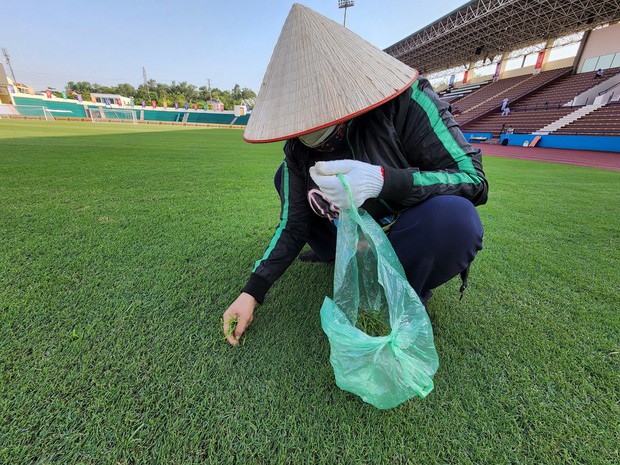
{"type": "Point", "coordinates": [321, 74]}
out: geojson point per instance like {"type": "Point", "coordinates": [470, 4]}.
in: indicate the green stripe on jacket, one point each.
{"type": "Point", "coordinates": [278, 233]}
{"type": "Point", "coordinates": [468, 172]}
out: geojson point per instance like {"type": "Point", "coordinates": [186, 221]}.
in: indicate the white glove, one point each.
{"type": "Point", "coordinates": [365, 180]}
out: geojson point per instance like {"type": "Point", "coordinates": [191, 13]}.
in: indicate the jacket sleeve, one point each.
{"type": "Point", "coordinates": [289, 237]}
{"type": "Point", "coordinates": [442, 161]}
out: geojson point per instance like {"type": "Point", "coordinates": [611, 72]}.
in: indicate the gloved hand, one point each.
{"type": "Point", "coordinates": [365, 180]}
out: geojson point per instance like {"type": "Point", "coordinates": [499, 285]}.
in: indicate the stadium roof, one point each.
{"type": "Point", "coordinates": [482, 28]}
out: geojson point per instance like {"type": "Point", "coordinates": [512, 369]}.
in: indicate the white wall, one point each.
{"type": "Point", "coordinates": [601, 42]}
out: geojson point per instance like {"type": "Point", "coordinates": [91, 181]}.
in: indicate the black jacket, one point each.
{"type": "Point", "coordinates": [421, 149]}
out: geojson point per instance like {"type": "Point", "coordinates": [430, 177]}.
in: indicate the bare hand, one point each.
{"type": "Point", "coordinates": [241, 311]}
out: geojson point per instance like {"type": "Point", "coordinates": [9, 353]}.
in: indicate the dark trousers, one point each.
{"type": "Point", "coordinates": [434, 240]}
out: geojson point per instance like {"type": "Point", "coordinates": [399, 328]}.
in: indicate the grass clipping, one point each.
{"type": "Point", "coordinates": [372, 323]}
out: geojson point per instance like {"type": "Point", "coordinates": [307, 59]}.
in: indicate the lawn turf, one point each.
{"type": "Point", "coordinates": [122, 245]}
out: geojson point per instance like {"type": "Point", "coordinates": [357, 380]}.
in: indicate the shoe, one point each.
{"type": "Point", "coordinates": [311, 257]}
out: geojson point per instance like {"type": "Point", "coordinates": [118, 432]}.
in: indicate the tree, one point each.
{"type": "Point", "coordinates": [236, 92]}
{"type": "Point", "coordinates": [126, 90]}
{"type": "Point", "coordinates": [181, 92]}
{"type": "Point", "coordinates": [247, 93]}
{"type": "Point", "coordinates": [84, 88]}
{"type": "Point", "coordinates": [143, 93]}
{"type": "Point", "coordinates": [226, 99]}
{"type": "Point", "coordinates": [203, 93]}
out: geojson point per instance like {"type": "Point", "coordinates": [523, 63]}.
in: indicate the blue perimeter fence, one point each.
{"type": "Point", "coordinates": [555, 141]}
{"type": "Point", "coordinates": [72, 109]}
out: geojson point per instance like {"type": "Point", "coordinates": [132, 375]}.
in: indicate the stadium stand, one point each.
{"type": "Point", "coordinates": [190, 117]}
{"type": "Point", "coordinates": [490, 97]}
{"type": "Point", "coordinates": [8, 110]}
{"type": "Point", "coordinates": [451, 98]}
{"type": "Point", "coordinates": [529, 121]}
{"type": "Point", "coordinates": [58, 108]}
{"type": "Point", "coordinates": [491, 91]}
{"type": "Point", "coordinates": [551, 94]}
{"type": "Point", "coordinates": [541, 107]}
{"type": "Point", "coordinates": [462, 91]}
{"type": "Point", "coordinates": [211, 118]}
{"type": "Point", "coordinates": [603, 121]}
{"type": "Point", "coordinates": [242, 120]}
{"type": "Point", "coordinates": [169, 116]}
{"type": "Point", "coordinates": [73, 109]}
{"type": "Point", "coordinates": [561, 91]}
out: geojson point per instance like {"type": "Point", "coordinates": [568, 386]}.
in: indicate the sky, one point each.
{"type": "Point", "coordinates": [52, 42]}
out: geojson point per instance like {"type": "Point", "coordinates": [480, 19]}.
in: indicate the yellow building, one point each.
{"type": "Point", "coordinates": [4, 87]}
{"type": "Point", "coordinates": [8, 87]}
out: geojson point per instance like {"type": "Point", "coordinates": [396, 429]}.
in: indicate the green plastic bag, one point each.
{"type": "Point", "coordinates": [387, 370]}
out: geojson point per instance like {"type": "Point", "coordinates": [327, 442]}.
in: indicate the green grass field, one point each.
{"type": "Point", "coordinates": [122, 245]}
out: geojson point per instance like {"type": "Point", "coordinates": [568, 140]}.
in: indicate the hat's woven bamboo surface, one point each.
{"type": "Point", "coordinates": [320, 74]}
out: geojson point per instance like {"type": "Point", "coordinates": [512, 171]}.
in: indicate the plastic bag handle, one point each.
{"type": "Point", "coordinates": [352, 209]}
{"type": "Point", "coordinates": [347, 188]}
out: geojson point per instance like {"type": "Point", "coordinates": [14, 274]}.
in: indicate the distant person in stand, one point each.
{"type": "Point", "coordinates": [504, 103]}
{"type": "Point", "coordinates": [506, 111]}
{"type": "Point", "coordinates": [599, 73]}
{"type": "Point", "coordinates": [504, 140]}
{"type": "Point", "coordinates": [403, 155]}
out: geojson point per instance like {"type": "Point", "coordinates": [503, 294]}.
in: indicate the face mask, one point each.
{"type": "Point", "coordinates": [333, 141]}
{"type": "Point", "coordinates": [315, 138]}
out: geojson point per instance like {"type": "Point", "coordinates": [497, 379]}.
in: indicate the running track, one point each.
{"type": "Point", "coordinates": [604, 160]}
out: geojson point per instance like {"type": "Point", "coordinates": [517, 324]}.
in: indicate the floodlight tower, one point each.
{"type": "Point", "coordinates": [8, 62]}
{"type": "Point", "coordinates": [345, 4]}
{"type": "Point", "coordinates": [146, 83]}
